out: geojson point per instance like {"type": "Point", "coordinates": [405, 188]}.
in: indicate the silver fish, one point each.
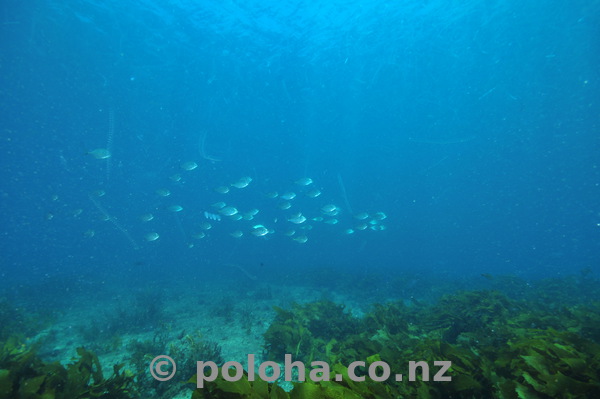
{"type": "Point", "coordinates": [305, 181]}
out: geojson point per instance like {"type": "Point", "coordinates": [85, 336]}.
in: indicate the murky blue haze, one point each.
{"type": "Point", "coordinates": [473, 126]}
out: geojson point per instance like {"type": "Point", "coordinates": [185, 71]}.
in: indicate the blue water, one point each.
{"type": "Point", "coordinates": [472, 125]}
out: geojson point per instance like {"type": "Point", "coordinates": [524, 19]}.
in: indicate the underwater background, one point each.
{"type": "Point", "coordinates": [176, 173]}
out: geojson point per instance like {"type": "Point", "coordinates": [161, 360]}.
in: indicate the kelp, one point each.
{"type": "Point", "coordinates": [24, 375]}
{"type": "Point", "coordinates": [306, 331]}
{"type": "Point", "coordinates": [258, 389]}
{"type": "Point", "coordinates": [242, 388]}
{"type": "Point", "coordinates": [499, 348]}
{"type": "Point", "coordinates": [549, 364]}
{"type": "Point", "coordinates": [469, 315]}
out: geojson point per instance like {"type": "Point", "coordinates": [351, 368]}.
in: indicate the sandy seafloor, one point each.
{"type": "Point", "coordinates": [186, 311]}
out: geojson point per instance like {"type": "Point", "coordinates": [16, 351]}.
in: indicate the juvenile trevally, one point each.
{"type": "Point", "coordinates": [298, 218]}
{"type": "Point", "coordinates": [228, 211]}
{"type": "Point", "coordinates": [300, 239]}
{"type": "Point", "coordinates": [147, 217]}
{"type": "Point", "coordinates": [361, 226]}
{"type": "Point", "coordinates": [249, 215]}
{"type": "Point", "coordinates": [222, 189]}
{"type": "Point", "coordinates": [259, 230]}
{"type": "Point", "coordinates": [313, 193]}
{"type": "Point", "coordinates": [100, 153]}
{"type": "Point", "coordinates": [205, 226]}
{"type": "Point", "coordinates": [246, 216]}
{"type": "Point", "coordinates": [377, 227]}
{"type": "Point", "coordinates": [151, 236]}
{"type": "Point", "coordinates": [304, 181]}
{"type": "Point", "coordinates": [163, 192]}
{"type": "Point", "coordinates": [219, 205]}
{"type": "Point", "coordinates": [242, 182]}
{"type": "Point", "coordinates": [290, 195]}
{"type": "Point", "coordinates": [361, 216]}
{"type": "Point", "coordinates": [189, 165]}
{"type": "Point", "coordinates": [379, 216]}
{"type": "Point", "coordinates": [330, 210]}
{"type": "Point", "coordinates": [284, 205]}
